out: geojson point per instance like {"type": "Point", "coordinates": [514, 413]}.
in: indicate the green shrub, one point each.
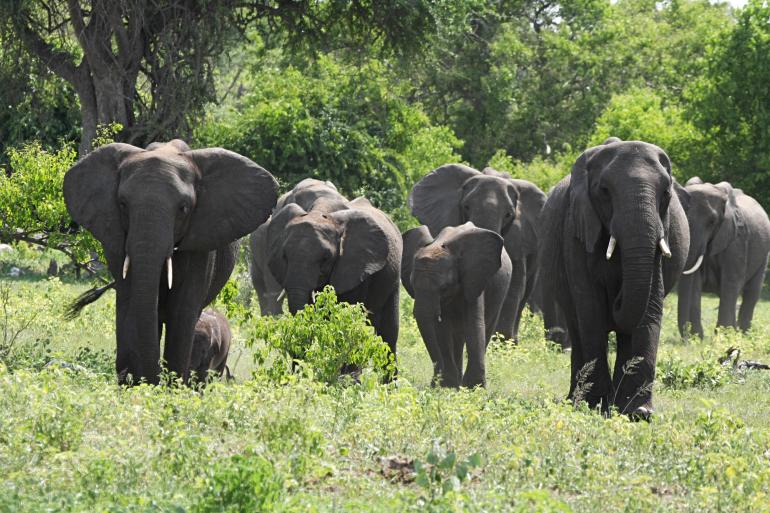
{"type": "Point", "coordinates": [244, 483]}
{"type": "Point", "coordinates": [323, 338]}
{"type": "Point", "coordinates": [674, 373]}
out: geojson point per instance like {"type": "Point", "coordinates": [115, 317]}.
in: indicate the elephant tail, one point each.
{"type": "Point", "coordinates": [85, 299]}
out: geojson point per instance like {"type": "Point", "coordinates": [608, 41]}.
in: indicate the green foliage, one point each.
{"type": "Point", "coordinates": [731, 103]}
{"type": "Point", "coordinates": [543, 172]}
{"type": "Point", "coordinates": [32, 205]}
{"type": "Point", "coordinates": [674, 373]}
{"type": "Point", "coordinates": [443, 473]}
{"type": "Point", "coordinates": [335, 121]}
{"type": "Point", "coordinates": [246, 483]}
{"type": "Point", "coordinates": [641, 115]}
{"type": "Point", "coordinates": [324, 337]}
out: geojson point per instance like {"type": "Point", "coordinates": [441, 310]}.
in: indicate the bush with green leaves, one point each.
{"type": "Point", "coordinates": [348, 123]}
{"type": "Point", "coordinates": [322, 339]}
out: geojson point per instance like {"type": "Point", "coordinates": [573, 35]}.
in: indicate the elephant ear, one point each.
{"type": "Point", "coordinates": [435, 200]}
{"type": "Point", "coordinates": [683, 195]}
{"type": "Point", "coordinates": [414, 239]}
{"type": "Point", "coordinates": [234, 197]}
{"type": "Point", "coordinates": [364, 249]}
{"type": "Point", "coordinates": [733, 224]}
{"type": "Point", "coordinates": [275, 230]}
{"type": "Point", "coordinates": [588, 227]}
{"type": "Point", "coordinates": [91, 194]}
{"type": "Point", "coordinates": [480, 258]}
{"type": "Point", "coordinates": [524, 230]}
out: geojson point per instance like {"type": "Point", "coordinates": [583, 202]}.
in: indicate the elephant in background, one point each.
{"type": "Point", "coordinates": [160, 210]}
{"type": "Point", "coordinates": [454, 194]}
{"type": "Point", "coordinates": [310, 194]}
{"type": "Point", "coordinates": [211, 345]}
{"type": "Point", "coordinates": [458, 281]}
{"type": "Point", "coordinates": [729, 246]}
{"type": "Point", "coordinates": [357, 250]}
{"type": "Point", "coordinates": [616, 241]}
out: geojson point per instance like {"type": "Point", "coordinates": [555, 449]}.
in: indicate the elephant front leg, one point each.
{"type": "Point", "coordinates": [684, 299]}
{"type": "Point", "coordinates": [507, 322]}
{"type": "Point", "coordinates": [473, 317]}
{"type": "Point", "coordinates": [635, 371]}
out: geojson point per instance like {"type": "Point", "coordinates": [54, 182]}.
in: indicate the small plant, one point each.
{"type": "Point", "coordinates": [244, 483]}
{"type": "Point", "coordinates": [13, 322]}
{"type": "Point", "coordinates": [582, 385]}
{"type": "Point", "coordinates": [322, 339]}
{"type": "Point", "coordinates": [442, 472]}
{"type": "Point", "coordinates": [673, 373]}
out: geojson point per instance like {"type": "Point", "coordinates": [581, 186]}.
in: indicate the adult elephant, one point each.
{"type": "Point", "coordinates": [729, 246]}
{"type": "Point", "coordinates": [616, 240]}
{"type": "Point", "coordinates": [155, 211]}
{"type": "Point", "coordinates": [454, 194]}
{"type": "Point", "coordinates": [310, 194]}
{"type": "Point", "coordinates": [458, 281]}
{"type": "Point", "coordinates": [356, 250]}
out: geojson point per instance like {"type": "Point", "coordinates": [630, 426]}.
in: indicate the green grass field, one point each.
{"type": "Point", "coordinates": [72, 440]}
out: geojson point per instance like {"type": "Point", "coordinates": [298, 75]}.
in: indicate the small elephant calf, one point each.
{"type": "Point", "coordinates": [211, 344]}
{"type": "Point", "coordinates": [458, 281]}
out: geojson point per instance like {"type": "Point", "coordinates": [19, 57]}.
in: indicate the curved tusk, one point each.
{"type": "Point", "coordinates": [664, 248]}
{"type": "Point", "coordinates": [281, 295]}
{"type": "Point", "coordinates": [439, 317]}
{"type": "Point", "coordinates": [169, 272]}
{"type": "Point", "coordinates": [695, 267]}
{"type": "Point", "coordinates": [611, 246]}
{"type": "Point", "coordinates": [126, 263]}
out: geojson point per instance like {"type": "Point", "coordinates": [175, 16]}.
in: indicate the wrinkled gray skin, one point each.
{"type": "Point", "coordinates": [624, 189]}
{"type": "Point", "coordinates": [731, 231]}
{"type": "Point", "coordinates": [310, 194]}
{"type": "Point", "coordinates": [458, 282]}
{"type": "Point", "coordinates": [356, 250]}
{"type": "Point", "coordinates": [553, 318]}
{"type": "Point", "coordinates": [454, 194]}
{"type": "Point", "coordinates": [211, 345]}
{"type": "Point", "coordinates": [149, 205]}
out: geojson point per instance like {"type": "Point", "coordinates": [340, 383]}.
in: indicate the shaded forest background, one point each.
{"type": "Point", "coordinates": [374, 94]}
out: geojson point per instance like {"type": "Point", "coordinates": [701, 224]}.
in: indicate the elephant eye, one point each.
{"type": "Point", "coordinates": [508, 214]}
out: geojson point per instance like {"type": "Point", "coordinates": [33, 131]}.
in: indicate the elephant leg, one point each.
{"type": "Point", "coordinates": [473, 323]}
{"type": "Point", "coordinates": [458, 344]}
{"type": "Point", "coordinates": [450, 371]}
{"type": "Point", "coordinates": [635, 370]}
{"type": "Point", "coordinates": [751, 292]}
{"type": "Point", "coordinates": [507, 322]}
{"type": "Point", "coordinates": [590, 369]}
{"type": "Point", "coordinates": [696, 293]}
{"type": "Point", "coordinates": [729, 290]}
{"type": "Point", "coordinates": [388, 324]}
{"type": "Point", "coordinates": [185, 302]}
{"type": "Point", "coordinates": [683, 304]}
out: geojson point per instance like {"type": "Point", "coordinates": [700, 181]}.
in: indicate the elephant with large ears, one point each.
{"type": "Point", "coordinates": [356, 250]}
{"type": "Point", "coordinates": [454, 194]}
{"type": "Point", "coordinates": [729, 245]}
{"type": "Point", "coordinates": [167, 218]}
{"type": "Point", "coordinates": [211, 345]}
{"type": "Point", "coordinates": [310, 194]}
{"type": "Point", "coordinates": [617, 240]}
{"type": "Point", "coordinates": [458, 281]}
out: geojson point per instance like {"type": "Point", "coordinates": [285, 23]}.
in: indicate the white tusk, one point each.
{"type": "Point", "coordinates": [695, 267]}
{"type": "Point", "coordinates": [611, 247]}
{"type": "Point", "coordinates": [664, 248]}
{"type": "Point", "coordinates": [126, 262]}
{"type": "Point", "coordinates": [439, 318]}
{"type": "Point", "coordinates": [281, 295]}
{"type": "Point", "coordinates": [169, 272]}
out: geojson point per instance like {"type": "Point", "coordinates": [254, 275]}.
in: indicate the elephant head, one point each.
{"type": "Point", "coordinates": [620, 194]}
{"type": "Point", "coordinates": [714, 218]}
{"type": "Point", "coordinates": [461, 260]}
{"type": "Point", "coordinates": [309, 250]}
{"type": "Point", "coordinates": [143, 205]}
{"type": "Point", "coordinates": [454, 194]}
{"type": "Point", "coordinates": [313, 194]}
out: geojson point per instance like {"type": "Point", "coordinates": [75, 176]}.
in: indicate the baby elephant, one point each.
{"type": "Point", "coordinates": [211, 343]}
{"type": "Point", "coordinates": [458, 281]}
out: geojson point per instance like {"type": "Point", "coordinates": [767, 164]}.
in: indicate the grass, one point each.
{"type": "Point", "coordinates": [71, 440]}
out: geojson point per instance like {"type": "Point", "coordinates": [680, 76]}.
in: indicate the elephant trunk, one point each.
{"type": "Point", "coordinates": [427, 313]}
{"type": "Point", "coordinates": [639, 243]}
{"type": "Point", "coordinates": [139, 333]}
{"type": "Point", "coordinates": [298, 297]}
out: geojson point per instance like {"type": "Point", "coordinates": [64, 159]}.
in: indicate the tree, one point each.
{"type": "Point", "coordinates": [731, 103]}
{"type": "Point", "coordinates": [149, 64]}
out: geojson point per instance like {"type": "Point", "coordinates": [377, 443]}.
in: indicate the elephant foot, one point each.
{"type": "Point", "coordinates": [642, 413]}
{"type": "Point", "coordinates": [474, 382]}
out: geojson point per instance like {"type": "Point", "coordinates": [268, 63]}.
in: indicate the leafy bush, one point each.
{"type": "Point", "coordinates": [244, 483]}
{"type": "Point", "coordinates": [341, 122]}
{"type": "Point", "coordinates": [543, 172]}
{"type": "Point", "coordinates": [323, 338]}
{"type": "Point", "coordinates": [673, 373]}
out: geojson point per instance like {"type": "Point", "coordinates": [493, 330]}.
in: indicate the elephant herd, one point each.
{"type": "Point", "coordinates": [596, 255]}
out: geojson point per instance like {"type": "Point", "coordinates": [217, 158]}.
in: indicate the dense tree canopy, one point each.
{"type": "Point", "coordinates": [373, 95]}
